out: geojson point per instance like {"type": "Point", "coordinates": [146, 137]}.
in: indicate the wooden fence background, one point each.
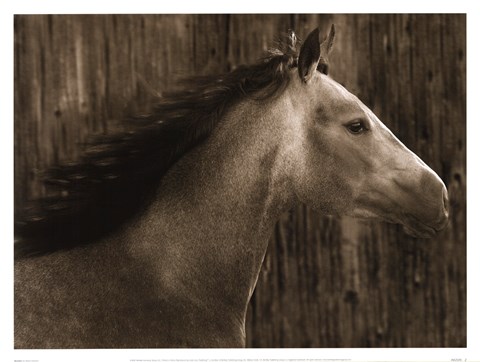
{"type": "Point", "coordinates": [326, 282]}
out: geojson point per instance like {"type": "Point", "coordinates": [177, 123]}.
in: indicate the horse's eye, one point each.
{"type": "Point", "coordinates": [356, 127]}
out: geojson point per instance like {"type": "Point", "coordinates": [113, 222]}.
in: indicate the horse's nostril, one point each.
{"type": "Point", "coordinates": [443, 220]}
{"type": "Point", "coordinates": [445, 201]}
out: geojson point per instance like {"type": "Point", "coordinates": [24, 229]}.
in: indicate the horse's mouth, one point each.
{"type": "Point", "coordinates": [425, 233]}
{"type": "Point", "coordinates": [418, 229]}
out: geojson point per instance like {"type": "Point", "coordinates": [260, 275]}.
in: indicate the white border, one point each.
{"type": "Point", "coordinates": [244, 6]}
{"type": "Point", "coordinates": [8, 8]}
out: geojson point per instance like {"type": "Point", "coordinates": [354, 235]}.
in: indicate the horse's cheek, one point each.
{"type": "Point", "coordinates": [318, 182]}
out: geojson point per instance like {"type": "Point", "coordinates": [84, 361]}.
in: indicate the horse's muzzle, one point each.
{"type": "Point", "coordinates": [430, 215]}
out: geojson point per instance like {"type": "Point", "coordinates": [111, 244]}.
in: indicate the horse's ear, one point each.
{"type": "Point", "coordinates": [325, 49]}
{"type": "Point", "coordinates": [327, 44]}
{"type": "Point", "coordinates": [309, 56]}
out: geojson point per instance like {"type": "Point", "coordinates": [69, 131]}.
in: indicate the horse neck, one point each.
{"type": "Point", "coordinates": [207, 232]}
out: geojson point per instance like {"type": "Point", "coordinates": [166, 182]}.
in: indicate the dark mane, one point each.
{"type": "Point", "coordinates": [118, 174]}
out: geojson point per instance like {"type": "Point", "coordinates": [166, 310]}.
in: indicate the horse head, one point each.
{"type": "Point", "coordinates": [347, 162]}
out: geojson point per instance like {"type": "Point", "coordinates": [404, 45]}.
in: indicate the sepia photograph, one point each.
{"type": "Point", "coordinates": [259, 181]}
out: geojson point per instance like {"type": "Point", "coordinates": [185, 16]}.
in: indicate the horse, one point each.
{"type": "Point", "coordinates": [158, 233]}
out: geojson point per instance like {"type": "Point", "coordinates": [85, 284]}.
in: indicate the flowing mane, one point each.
{"type": "Point", "coordinates": [119, 173]}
